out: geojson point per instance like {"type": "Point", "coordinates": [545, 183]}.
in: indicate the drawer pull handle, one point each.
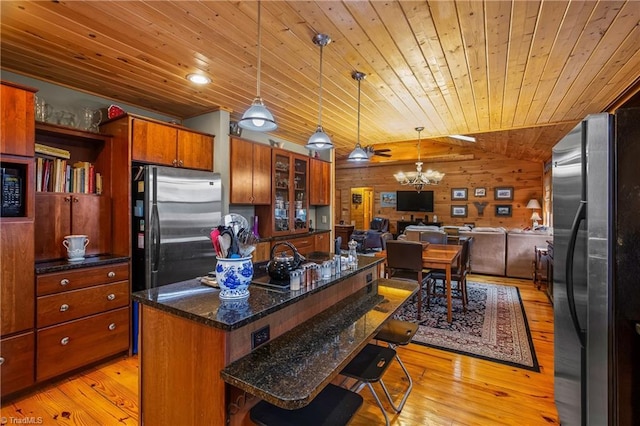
{"type": "Point", "coordinates": [111, 274]}
{"type": "Point", "coordinates": [112, 326]}
{"type": "Point", "coordinates": [1, 360]}
{"type": "Point", "coordinates": [64, 281]}
{"type": "Point", "coordinates": [111, 297]}
{"type": "Point", "coordinates": [64, 307]}
{"type": "Point", "coordinates": [64, 341]}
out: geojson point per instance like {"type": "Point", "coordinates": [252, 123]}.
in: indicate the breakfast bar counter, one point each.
{"type": "Point", "coordinates": [279, 345]}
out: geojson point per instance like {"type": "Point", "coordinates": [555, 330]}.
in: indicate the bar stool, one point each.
{"type": "Point", "coordinates": [397, 333]}
{"type": "Point", "coordinates": [367, 368]}
{"type": "Point", "coordinates": [333, 406]}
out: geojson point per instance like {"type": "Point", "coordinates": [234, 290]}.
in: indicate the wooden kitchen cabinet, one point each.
{"type": "Point", "coordinates": [82, 317]}
{"type": "Point", "coordinates": [158, 143]}
{"type": "Point", "coordinates": [64, 213]}
{"type": "Point", "coordinates": [59, 214]}
{"type": "Point", "coordinates": [289, 209]}
{"type": "Point", "coordinates": [18, 118]}
{"type": "Point", "coordinates": [320, 187]}
{"type": "Point", "coordinates": [250, 172]}
{"type": "Point", "coordinates": [16, 276]}
{"type": "Point", "coordinates": [322, 242]}
{"type": "Point", "coordinates": [17, 361]}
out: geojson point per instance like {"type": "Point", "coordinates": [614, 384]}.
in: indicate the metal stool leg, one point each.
{"type": "Point", "coordinates": [403, 401]}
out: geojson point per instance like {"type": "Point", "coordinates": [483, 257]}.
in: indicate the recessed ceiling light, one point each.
{"type": "Point", "coordinates": [463, 138]}
{"type": "Point", "coordinates": [198, 78]}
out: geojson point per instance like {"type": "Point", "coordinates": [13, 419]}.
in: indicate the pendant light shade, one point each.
{"type": "Point", "coordinates": [257, 117]}
{"type": "Point", "coordinates": [358, 154]}
{"type": "Point", "coordinates": [319, 140]}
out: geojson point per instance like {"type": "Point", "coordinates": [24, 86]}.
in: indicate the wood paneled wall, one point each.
{"type": "Point", "coordinates": [479, 169]}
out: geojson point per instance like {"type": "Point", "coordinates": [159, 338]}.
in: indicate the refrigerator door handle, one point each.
{"type": "Point", "coordinates": [155, 238]}
{"type": "Point", "coordinates": [580, 216]}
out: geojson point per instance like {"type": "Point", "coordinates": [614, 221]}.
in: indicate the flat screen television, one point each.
{"type": "Point", "coordinates": [413, 201]}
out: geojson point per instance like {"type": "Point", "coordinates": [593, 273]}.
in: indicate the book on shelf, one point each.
{"type": "Point", "coordinates": [52, 151]}
{"type": "Point", "coordinates": [59, 175]}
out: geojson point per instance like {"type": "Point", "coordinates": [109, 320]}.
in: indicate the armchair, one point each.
{"type": "Point", "coordinates": [373, 237]}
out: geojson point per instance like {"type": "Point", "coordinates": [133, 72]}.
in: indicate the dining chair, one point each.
{"type": "Point", "coordinates": [437, 286]}
{"type": "Point", "coordinates": [404, 261]}
{"type": "Point", "coordinates": [433, 237]}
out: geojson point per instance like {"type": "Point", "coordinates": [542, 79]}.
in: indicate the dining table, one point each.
{"type": "Point", "coordinates": [438, 256]}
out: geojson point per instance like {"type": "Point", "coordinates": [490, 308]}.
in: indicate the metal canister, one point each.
{"type": "Point", "coordinates": [294, 279]}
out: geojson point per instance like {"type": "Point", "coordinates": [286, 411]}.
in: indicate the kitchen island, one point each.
{"type": "Point", "coordinates": [201, 359]}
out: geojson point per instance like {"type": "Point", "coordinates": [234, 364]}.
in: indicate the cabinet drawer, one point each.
{"type": "Point", "coordinates": [71, 345]}
{"type": "Point", "coordinates": [70, 305]}
{"type": "Point", "coordinates": [81, 278]}
{"type": "Point", "coordinates": [17, 364]}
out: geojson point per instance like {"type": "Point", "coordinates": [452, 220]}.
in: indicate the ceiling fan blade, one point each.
{"type": "Point", "coordinates": [382, 150]}
{"type": "Point", "coordinates": [381, 154]}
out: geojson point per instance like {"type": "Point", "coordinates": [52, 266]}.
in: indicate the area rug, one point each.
{"type": "Point", "coordinates": [493, 328]}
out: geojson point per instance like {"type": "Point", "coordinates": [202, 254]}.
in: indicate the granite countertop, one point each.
{"type": "Point", "coordinates": [197, 302]}
{"type": "Point", "coordinates": [89, 261]}
{"type": "Point", "coordinates": [292, 369]}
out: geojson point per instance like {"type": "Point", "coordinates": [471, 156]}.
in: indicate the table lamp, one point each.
{"type": "Point", "coordinates": [535, 217]}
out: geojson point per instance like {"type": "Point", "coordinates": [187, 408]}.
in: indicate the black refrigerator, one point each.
{"type": "Point", "coordinates": [596, 278]}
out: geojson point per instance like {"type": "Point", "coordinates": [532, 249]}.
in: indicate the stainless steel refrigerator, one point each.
{"type": "Point", "coordinates": [596, 278]}
{"type": "Point", "coordinates": [173, 212]}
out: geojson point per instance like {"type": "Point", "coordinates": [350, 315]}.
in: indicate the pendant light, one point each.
{"type": "Point", "coordinates": [358, 154]}
{"type": "Point", "coordinates": [319, 140]}
{"type": "Point", "coordinates": [257, 117]}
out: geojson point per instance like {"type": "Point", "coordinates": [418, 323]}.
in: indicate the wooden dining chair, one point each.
{"type": "Point", "coordinates": [436, 283]}
{"type": "Point", "coordinates": [404, 261]}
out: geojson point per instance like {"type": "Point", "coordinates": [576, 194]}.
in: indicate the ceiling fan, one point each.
{"type": "Point", "coordinates": [371, 151]}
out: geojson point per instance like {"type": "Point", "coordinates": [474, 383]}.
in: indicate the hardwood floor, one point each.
{"type": "Point", "coordinates": [449, 389]}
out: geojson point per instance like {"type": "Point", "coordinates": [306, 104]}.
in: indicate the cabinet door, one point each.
{"type": "Point", "coordinates": [241, 172]}
{"type": "Point", "coordinates": [300, 194]}
{"type": "Point", "coordinates": [261, 174]}
{"type": "Point", "coordinates": [282, 183]}
{"type": "Point", "coordinates": [16, 276]}
{"type": "Point", "coordinates": [154, 143]}
{"type": "Point", "coordinates": [323, 243]}
{"type": "Point", "coordinates": [320, 187]}
{"type": "Point", "coordinates": [195, 150]}
{"type": "Point", "coordinates": [91, 216]}
{"type": "Point", "coordinates": [17, 126]}
{"type": "Point", "coordinates": [52, 223]}
{"type": "Point", "coordinates": [17, 362]}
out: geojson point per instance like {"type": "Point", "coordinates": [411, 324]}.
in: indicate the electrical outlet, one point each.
{"type": "Point", "coordinates": [260, 336]}
{"type": "Point", "coordinates": [324, 219]}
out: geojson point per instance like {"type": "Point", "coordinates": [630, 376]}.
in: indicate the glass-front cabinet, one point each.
{"type": "Point", "coordinates": [290, 207]}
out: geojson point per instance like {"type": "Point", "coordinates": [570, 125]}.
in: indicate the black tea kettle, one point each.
{"type": "Point", "coordinates": [280, 266]}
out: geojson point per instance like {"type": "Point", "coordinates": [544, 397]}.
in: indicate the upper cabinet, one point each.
{"type": "Point", "coordinates": [289, 209]}
{"type": "Point", "coordinates": [320, 188]}
{"type": "Point", "coordinates": [250, 165]}
{"type": "Point", "coordinates": [18, 118]}
{"type": "Point", "coordinates": [159, 143]}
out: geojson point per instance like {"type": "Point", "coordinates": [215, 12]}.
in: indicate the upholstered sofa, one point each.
{"type": "Point", "coordinates": [521, 251]}
{"type": "Point", "coordinates": [488, 250]}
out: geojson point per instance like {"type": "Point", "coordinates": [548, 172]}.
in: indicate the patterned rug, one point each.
{"type": "Point", "coordinates": [493, 328]}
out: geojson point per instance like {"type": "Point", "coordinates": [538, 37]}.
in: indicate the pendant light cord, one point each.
{"type": "Point", "coordinates": [419, 144]}
{"type": "Point", "coordinates": [358, 141]}
{"type": "Point", "coordinates": [259, 53]}
{"type": "Point", "coordinates": [320, 91]}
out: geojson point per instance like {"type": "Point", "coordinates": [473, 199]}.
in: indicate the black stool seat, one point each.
{"type": "Point", "coordinates": [370, 364]}
{"type": "Point", "coordinates": [334, 406]}
{"type": "Point", "coordinates": [397, 332]}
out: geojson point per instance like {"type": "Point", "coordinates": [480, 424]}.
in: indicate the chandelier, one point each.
{"type": "Point", "coordinates": [419, 179]}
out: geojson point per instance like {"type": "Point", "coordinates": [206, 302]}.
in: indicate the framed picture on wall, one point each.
{"type": "Point", "coordinates": [387, 199]}
{"type": "Point", "coordinates": [458, 193]}
{"type": "Point", "coordinates": [503, 193]}
{"type": "Point", "coordinates": [459, 211]}
{"type": "Point", "coordinates": [480, 192]}
{"type": "Point", "coordinates": [503, 210]}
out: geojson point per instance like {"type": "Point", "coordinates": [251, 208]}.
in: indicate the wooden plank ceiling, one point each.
{"type": "Point", "coordinates": [515, 74]}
